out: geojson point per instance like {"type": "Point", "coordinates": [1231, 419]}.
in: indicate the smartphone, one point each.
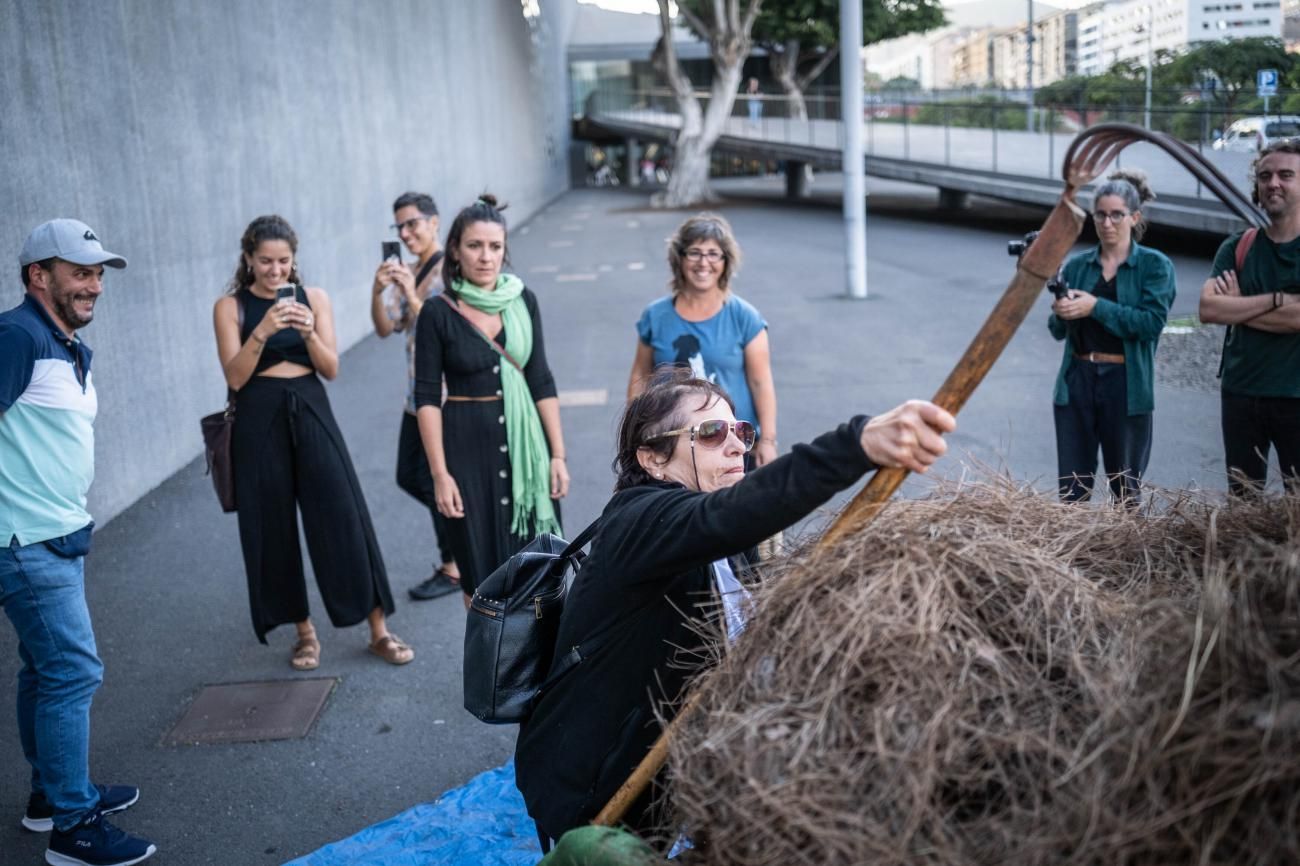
{"type": "Point", "coordinates": [286, 294]}
{"type": "Point", "coordinates": [391, 250]}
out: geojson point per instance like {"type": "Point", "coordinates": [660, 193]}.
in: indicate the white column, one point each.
{"type": "Point", "coordinates": [855, 189]}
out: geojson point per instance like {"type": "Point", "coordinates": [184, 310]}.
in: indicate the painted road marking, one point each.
{"type": "Point", "coordinates": [576, 278]}
{"type": "Point", "coordinates": [543, 269]}
{"type": "Point", "coordinates": [636, 266]}
{"type": "Point", "coordinates": [572, 227]}
{"type": "Point", "coordinates": [591, 397]}
{"type": "Point", "coordinates": [559, 243]}
{"type": "Point", "coordinates": [633, 224]}
{"type": "Point", "coordinates": [604, 269]}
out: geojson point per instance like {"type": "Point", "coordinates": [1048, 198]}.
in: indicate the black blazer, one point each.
{"type": "Point", "coordinates": [647, 576]}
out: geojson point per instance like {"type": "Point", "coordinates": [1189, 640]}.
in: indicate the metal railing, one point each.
{"type": "Point", "coordinates": [978, 131]}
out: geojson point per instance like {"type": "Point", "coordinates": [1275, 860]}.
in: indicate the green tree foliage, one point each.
{"type": "Point", "coordinates": [1232, 65]}
{"type": "Point", "coordinates": [1221, 72]}
{"type": "Point", "coordinates": [986, 112]}
{"type": "Point", "coordinates": [802, 37]}
{"type": "Point", "coordinates": [902, 82]}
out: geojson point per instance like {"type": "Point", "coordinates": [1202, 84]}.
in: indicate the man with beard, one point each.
{"type": "Point", "coordinates": [47, 412]}
{"type": "Point", "coordinates": [1255, 290]}
{"type": "Point", "coordinates": [396, 297]}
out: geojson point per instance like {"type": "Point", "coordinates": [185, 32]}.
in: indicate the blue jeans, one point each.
{"type": "Point", "coordinates": [44, 597]}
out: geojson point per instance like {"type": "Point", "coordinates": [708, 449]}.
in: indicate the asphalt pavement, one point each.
{"type": "Point", "coordinates": [165, 581]}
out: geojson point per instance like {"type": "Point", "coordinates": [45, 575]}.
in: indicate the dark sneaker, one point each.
{"type": "Point", "coordinates": [438, 585]}
{"type": "Point", "coordinates": [112, 798]}
{"type": "Point", "coordinates": [95, 842]}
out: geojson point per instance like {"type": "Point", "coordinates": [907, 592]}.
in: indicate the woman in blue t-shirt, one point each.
{"type": "Point", "coordinates": [705, 328]}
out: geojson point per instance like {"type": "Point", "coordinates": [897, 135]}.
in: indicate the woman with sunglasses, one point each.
{"type": "Point", "coordinates": [1110, 319]}
{"type": "Point", "coordinates": [702, 326]}
{"type": "Point", "coordinates": [663, 559]}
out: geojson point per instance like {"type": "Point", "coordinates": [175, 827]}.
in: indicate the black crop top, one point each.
{"type": "Point", "coordinates": [286, 345]}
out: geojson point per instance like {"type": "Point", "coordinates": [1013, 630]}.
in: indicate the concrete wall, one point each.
{"type": "Point", "coordinates": [169, 126]}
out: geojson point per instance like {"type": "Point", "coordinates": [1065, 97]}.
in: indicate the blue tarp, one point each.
{"type": "Point", "coordinates": [482, 823]}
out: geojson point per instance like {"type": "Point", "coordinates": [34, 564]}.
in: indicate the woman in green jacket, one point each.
{"type": "Point", "coordinates": [1110, 320]}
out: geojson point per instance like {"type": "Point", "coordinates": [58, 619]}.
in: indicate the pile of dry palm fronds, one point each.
{"type": "Point", "coordinates": [989, 677]}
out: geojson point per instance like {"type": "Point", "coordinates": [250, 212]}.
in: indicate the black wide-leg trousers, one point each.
{"type": "Point", "coordinates": [416, 479]}
{"type": "Point", "coordinates": [290, 457]}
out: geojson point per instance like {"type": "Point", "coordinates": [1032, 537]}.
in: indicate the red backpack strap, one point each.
{"type": "Point", "coordinates": [1244, 245]}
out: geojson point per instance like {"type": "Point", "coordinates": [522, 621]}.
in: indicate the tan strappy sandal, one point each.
{"type": "Point", "coordinates": [306, 654]}
{"type": "Point", "coordinates": [393, 650]}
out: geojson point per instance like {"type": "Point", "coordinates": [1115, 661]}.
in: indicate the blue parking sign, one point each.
{"type": "Point", "coordinates": [1266, 81]}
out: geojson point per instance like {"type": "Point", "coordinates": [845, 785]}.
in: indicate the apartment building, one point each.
{"type": "Point", "coordinates": [972, 59]}
{"type": "Point", "coordinates": [1129, 30]}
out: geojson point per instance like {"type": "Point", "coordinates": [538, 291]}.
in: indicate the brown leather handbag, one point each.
{"type": "Point", "coordinates": [218, 430]}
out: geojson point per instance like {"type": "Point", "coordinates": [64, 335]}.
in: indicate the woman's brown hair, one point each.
{"type": "Point", "coordinates": [703, 227]}
{"type": "Point", "coordinates": [655, 410]}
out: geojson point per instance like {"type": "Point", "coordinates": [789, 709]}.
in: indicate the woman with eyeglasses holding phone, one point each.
{"type": "Point", "coordinates": [663, 561]}
{"type": "Point", "coordinates": [1110, 319]}
{"type": "Point", "coordinates": [705, 328]}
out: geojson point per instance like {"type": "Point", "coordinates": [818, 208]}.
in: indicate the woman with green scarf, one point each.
{"type": "Point", "coordinates": [495, 446]}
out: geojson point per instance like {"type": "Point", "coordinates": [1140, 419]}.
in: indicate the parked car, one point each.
{"type": "Point", "coordinates": [1252, 133]}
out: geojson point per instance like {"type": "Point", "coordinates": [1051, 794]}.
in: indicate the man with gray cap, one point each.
{"type": "Point", "coordinates": [47, 413]}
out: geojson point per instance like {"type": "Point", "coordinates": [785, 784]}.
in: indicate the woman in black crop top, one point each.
{"type": "Point", "coordinates": [289, 454]}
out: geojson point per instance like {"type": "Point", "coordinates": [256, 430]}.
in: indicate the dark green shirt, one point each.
{"type": "Point", "coordinates": [1257, 363]}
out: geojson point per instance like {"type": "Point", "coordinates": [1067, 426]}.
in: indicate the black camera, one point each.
{"type": "Point", "coordinates": [1056, 285]}
{"type": "Point", "coordinates": [1017, 248]}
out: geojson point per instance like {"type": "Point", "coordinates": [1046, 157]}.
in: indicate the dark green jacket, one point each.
{"type": "Point", "coordinates": [1144, 286]}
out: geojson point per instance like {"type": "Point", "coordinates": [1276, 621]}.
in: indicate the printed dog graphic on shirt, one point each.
{"type": "Point", "coordinates": [688, 355]}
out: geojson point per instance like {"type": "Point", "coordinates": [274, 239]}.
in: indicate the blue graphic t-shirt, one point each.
{"type": "Point", "coordinates": [713, 349]}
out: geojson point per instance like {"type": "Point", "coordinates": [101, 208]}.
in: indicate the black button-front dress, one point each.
{"type": "Point", "coordinates": [474, 432]}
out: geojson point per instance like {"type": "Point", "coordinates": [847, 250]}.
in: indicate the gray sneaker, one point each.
{"type": "Point", "coordinates": [438, 585]}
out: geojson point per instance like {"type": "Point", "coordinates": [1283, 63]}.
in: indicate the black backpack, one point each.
{"type": "Point", "coordinates": [512, 625]}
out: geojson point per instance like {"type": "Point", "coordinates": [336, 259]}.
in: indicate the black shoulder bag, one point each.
{"type": "Point", "coordinates": [512, 625]}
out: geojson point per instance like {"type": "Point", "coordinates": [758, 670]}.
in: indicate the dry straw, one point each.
{"type": "Point", "coordinates": [987, 676]}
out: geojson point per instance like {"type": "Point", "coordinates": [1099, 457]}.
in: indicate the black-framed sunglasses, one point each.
{"type": "Point", "coordinates": [713, 434]}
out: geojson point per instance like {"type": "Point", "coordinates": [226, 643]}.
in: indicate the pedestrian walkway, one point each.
{"type": "Point", "coordinates": [165, 581]}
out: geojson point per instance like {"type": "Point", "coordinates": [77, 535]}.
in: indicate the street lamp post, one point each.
{"type": "Point", "coordinates": [1029, 68]}
{"type": "Point", "coordinates": [1146, 114]}
{"type": "Point", "coordinates": [855, 189]}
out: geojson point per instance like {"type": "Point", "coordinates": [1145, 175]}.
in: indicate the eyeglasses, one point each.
{"type": "Point", "coordinates": [713, 434]}
{"type": "Point", "coordinates": [695, 255]}
{"type": "Point", "coordinates": [1114, 216]}
{"type": "Point", "coordinates": [408, 224]}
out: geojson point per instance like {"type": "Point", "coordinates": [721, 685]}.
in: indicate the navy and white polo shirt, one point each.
{"type": "Point", "coordinates": [47, 436]}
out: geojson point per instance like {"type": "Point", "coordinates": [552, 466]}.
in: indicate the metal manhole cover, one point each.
{"type": "Point", "coordinates": [250, 712]}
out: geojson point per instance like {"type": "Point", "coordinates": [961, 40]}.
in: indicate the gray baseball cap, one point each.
{"type": "Point", "coordinates": [70, 240]}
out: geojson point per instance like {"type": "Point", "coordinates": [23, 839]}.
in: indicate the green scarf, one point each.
{"type": "Point", "coordinates": [530, 457]}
